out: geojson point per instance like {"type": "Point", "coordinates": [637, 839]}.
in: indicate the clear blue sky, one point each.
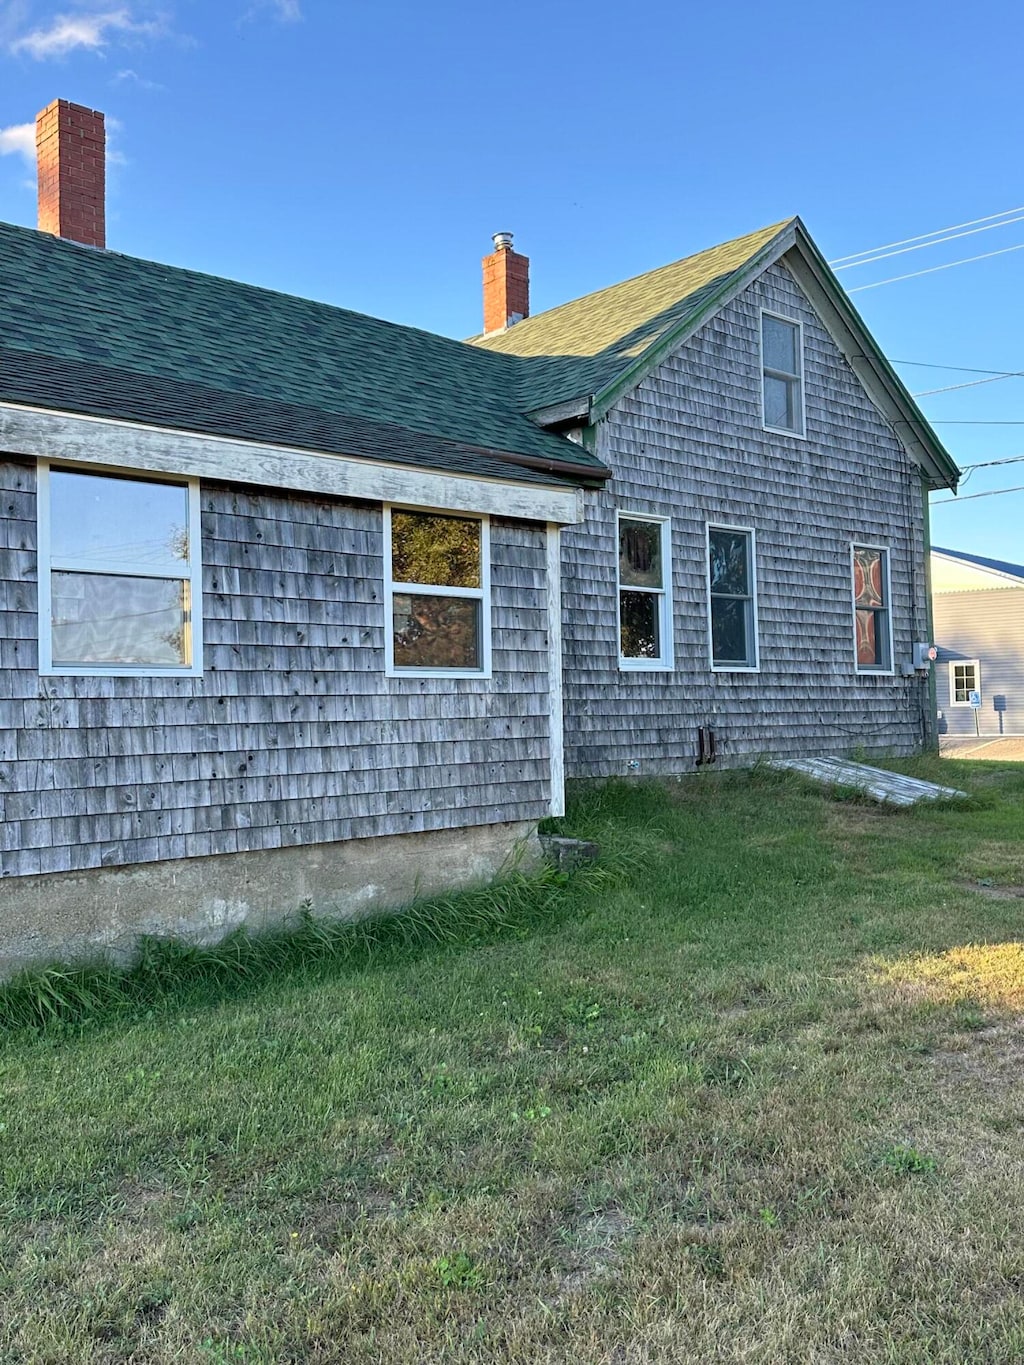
{"type": "Point", "coordinates": [363, 153]}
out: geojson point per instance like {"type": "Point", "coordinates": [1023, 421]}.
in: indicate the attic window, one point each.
{"type": "Point", "coordinates": [438, 592]}
{"type": "Point", "coordinates": [120, 586]}
{"type": "Point", "coordinates": [782, 374]}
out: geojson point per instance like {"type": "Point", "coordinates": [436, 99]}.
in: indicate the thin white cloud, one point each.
{"type": "Point", "coordinates": [288, 11]}
{"type": "Point", "coordinates": [130, 77]}
{"type": "Point", "coordinates": [90, 31]}
{"type": "Point", "coordinates": [19, 137]}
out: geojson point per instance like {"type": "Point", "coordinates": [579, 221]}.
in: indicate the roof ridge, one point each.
{"type": "Point", "coordinates": [50, 240]}
{"type": "Point", "coordinates": [773, 228]}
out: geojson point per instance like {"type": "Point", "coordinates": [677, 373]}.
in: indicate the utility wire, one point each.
{"type": "Point", "coordinates": [969, 469]}
{"type": "Point", "coordinates": [995, 493]}
{"type": "Point", "coordinates": [953, 237]}
{"type": "Point", "coordinates": [972, 422]}
{"type": "Point", "coordinates": [895, 279]}
{"type": "Point", "coordinates": [840, 260]}
{"type": "Point", "coordinates": [964, 369]}
{"type": "Point", "coordinates": [971, 384]}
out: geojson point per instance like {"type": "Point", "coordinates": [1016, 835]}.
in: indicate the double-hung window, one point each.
{"type": "Point", "coordinates": [438, 594]}
{"type": "Point", "coordinates": [732, 599]}
{"type": "Point", "coordinates": [645, 592]}
{"type": "Point", "coordinates": [871, 612]}
{"type": "Point", "coordinates": [782, 374]}
{"type": "Point", "coordinates": [120, 580]}
{"type": "Point", "coordinates": [964, 678]}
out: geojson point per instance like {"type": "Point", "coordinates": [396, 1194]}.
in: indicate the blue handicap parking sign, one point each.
{"type": "Point", "coordinates": [975, 699]}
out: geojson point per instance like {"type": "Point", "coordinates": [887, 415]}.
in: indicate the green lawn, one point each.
{"type": "Point", "coordinates": [758, 1097]}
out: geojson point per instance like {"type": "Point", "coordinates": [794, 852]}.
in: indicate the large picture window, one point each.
{"type": "Point", "coordinates": [644, 586]}
{"type": "Point", "coordinates": [732, 594]}
{"type": "Point", "coordinates": [438, 594]}
{"type": "Point", "coordinates": [120, 588]}
{"type": "Point", "coordinates": [872, 619]}
{"type": "Point", "coordinates": [782, 374]}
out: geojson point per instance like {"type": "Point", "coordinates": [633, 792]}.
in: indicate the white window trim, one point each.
{"type": "Point", "coordinates": [481, 595]}
{"type": "Point", "coordinates": [666, 660]}
{"type": "Point", "coordinates": [194, 578]}
{"type": "Point", "coordinates": [865, 670]}
{"type": "Point", "coordinates": [800, 435]}
{"type": "Point", "coordinates": [954, 664]}
{"type": "Point", "coordinates": [755, 667]}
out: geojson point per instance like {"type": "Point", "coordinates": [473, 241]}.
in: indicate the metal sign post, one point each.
{"type": "Point", "coordinates": [975, 700]}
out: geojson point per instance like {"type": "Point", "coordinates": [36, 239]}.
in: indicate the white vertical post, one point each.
{"type": "Point", "coordinates": [557, 737]}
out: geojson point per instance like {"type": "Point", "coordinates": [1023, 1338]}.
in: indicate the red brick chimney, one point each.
{"type": "Point", "coordinates": [71, 160]}
{"type": "Point", "coordinates": [506, 285]}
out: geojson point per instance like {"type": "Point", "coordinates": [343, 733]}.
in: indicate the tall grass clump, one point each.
{"type": "Point", "coordinates": [73, 994]}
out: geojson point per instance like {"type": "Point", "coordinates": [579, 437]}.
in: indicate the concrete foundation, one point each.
{"type": "Point", "coordinates": [71, 916]}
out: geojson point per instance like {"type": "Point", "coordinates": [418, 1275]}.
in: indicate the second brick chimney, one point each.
{"type": "Point", "coordinates": [71, 162]}
{"type": "Point", "coordinates": [506, 285]}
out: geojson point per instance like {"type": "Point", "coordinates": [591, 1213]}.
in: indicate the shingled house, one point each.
{"type": "Point", "coordinates": [299, 604]}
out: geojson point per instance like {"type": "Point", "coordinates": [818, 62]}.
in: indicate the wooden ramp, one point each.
{"type": "Point", "coordinates": [892, 788]}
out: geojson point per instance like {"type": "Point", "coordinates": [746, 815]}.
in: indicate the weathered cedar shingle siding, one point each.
{"type": "Point", "coordinates": [294, 735]}
{"type": "Point", "coordinates": [688, 443]}
{"type": "Point", "coordinates": [989, 627]}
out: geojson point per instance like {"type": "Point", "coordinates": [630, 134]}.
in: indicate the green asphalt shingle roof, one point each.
{"type": "Point", "coordinates": [583, 347]}
{"type": "Point", "coordinates": [112, 335]}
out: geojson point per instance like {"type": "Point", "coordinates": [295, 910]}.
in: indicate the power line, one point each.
{"type": "Point", "coordinates": [932, 269]}
{"type": "Point", "coordinates": [990, 464]}
{"type": "Point", "coordinates": [964, 369]}
{"type": "Point", "coordinates": [995, 493]}
{"type": "Point", "coordinates": [972, 422]}
{"type": "Point", "coordinates": [921, 236]}
{"type": "Point", "coordinates": [938, 241]}
{"type": "Point", "coordinates": [969, 469]}
{"type": "Point", "coordinates": [971, 384]}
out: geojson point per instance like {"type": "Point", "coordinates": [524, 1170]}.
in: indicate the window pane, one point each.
{"type": "Point", "coordinates": [436, 632]}
{"type": "Point", "coordinates": [98, 522]}
{"type": "Point", "coordinates": [640, 625]}
{"type": "Point", "coordinates": [780, 339]}
{"type": "Point", "coordinates": [729, 635]}
{"type": "Point", "coordinates": [728, 564]}
{"type": "Point", "coordinates": [103, 619]}
{"type": "Point", "coordinates": [780, 403]}
{"type": "Point", "coordinates": [870, 638]}
{"type": "Point", "coordinates": [868, 578]}
{"type": "Point", "coordinates": [640, 554]}
{"type": "Point", "coordinates": [441, 551]}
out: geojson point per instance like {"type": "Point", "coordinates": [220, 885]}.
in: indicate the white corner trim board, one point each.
{"type": "Point", "coordinates": [554, 577]}
{"type": "Point", "coordinates": [158, 450]}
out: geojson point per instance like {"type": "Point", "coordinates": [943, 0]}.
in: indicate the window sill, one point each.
{"type": "Point", "coordinates": [646, 666]}
{"type": "Point", "coordinates": [58, 671]}
{"type": "Point", "coordinates": [785, 431]}
{"type": "Point", "coordinates": [735, 668]}
{"type": "Point", "coordinates": [875, 672]}
{"type": "Point", "coordinates": [437, 673]}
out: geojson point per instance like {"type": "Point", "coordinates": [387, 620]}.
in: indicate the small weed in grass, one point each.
{"type": "Point", "coordinates": [459, 1272]}
{"type": "Point", "coordinates": [908, 1161]}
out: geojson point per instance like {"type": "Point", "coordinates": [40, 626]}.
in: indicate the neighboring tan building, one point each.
{"type": "Point", "coordinates": [978, 611]}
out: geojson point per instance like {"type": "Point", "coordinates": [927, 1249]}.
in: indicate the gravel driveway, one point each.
{"type": "Point", "coordinates": [1008, 749]}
